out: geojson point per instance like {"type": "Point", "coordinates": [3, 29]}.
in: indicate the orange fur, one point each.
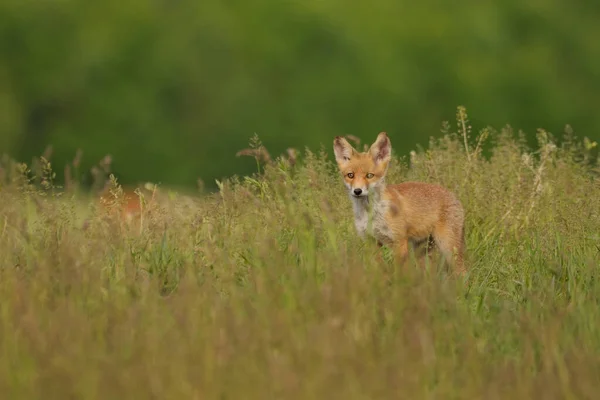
{"type": "Point", "coordinates": [128, 207]}
{"type": "Point", "coordinates": [398, 214]}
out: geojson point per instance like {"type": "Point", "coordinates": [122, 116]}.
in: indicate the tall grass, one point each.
{"type": "Point", "coordinates": [263, 290]}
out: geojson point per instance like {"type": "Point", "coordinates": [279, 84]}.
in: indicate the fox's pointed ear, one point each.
{"type": "Point", "coordinates": [381, 150]}
{"type": "Point", "coordinates": [342, 150]}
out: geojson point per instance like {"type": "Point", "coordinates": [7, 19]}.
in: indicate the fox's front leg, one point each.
{"type": "Point", "coordinates": [379, 255]}
{"type": "Point", "coordinates": [401, 251]}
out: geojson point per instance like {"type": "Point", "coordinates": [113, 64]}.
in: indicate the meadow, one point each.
{"type": "Point", "coordinates": [263, 290]}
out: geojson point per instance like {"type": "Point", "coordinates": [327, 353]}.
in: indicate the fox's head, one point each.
{"type": "Point", "coordinates": [363, 171]}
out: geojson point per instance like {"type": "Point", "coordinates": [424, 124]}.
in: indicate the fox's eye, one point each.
{"type": "Point", "coordinates": [370, 175]}
{"type": "Point", "coordinates": [350, 175]}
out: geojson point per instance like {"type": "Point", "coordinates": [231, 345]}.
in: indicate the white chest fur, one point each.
{"type": "Point", "coordinates": [369, 217]}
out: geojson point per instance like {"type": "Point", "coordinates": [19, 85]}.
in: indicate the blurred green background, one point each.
{"type": "Point", "coordinates": [172, 89]}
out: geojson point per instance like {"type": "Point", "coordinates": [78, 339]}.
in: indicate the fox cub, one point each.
{"type": "Point", "coordinates": [397, 214]}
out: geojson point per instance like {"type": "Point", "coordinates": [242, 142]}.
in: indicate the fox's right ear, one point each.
{"type": "Point", "coordinates": [342, 149]}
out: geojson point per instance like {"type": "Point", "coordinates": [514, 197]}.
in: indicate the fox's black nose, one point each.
{"type": "Point", "coordinates": [357, 192]}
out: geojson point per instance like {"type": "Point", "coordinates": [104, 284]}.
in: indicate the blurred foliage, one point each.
{"type": "Point", "coordinates": [173, 89]}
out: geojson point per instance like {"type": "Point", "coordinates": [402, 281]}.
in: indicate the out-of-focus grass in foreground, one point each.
{"type": "Point", "coordinates": [263, 290]}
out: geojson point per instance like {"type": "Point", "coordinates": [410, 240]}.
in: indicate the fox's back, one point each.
{"type": "Point", "coordinates": [419, 206]}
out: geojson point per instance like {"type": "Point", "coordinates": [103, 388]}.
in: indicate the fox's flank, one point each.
{"type": "Point", "coordinates": [401, 213]}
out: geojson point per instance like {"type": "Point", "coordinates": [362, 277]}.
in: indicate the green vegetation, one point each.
{"type": "Point", "coordinates": [262, 290]}
{"type": "Point", "coordinates": [172, 89]}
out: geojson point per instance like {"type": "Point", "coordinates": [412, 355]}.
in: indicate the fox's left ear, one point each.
{"type": "Point", "coordinates": [381, 150]}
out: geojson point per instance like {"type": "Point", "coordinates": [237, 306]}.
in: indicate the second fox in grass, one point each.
{"type": "Point", "coordinates": [397, 214]}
